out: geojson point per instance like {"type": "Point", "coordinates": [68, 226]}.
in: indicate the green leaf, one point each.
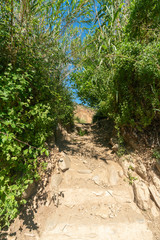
{"type": "Point", "coordinates": [4, 138]}
{"type": "Point", "coordinates": [47, 153]}
{"type": "Point", "coordinates": [30, 150]}
{"type": "Point", "coordinates": [13, 125]}
{"type": "Point", "coordinates": [1, 178]}
{"type": "Point", "coordinates": [25, 152]}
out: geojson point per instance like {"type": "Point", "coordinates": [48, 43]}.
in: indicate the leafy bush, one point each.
{"type": "Point", "coordinates": [135, 84]}
{"type": "Point", "coordinates": [33, 100]}
{"type": "Point", "coordinates": [25, 124]}
{"type": "Point", "coordinates": [18, 160]}
{"type": "Point", "coordinates": [119, 71]}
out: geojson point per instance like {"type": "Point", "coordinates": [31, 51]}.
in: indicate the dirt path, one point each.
{"type": "Point", "coordinates": [92, 199]}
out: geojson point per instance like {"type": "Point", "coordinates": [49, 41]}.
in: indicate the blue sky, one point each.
{"type": "Point", "coordinates": [82, 35]}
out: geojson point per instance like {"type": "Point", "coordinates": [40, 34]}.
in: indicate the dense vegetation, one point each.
{"type": "Point", "coordinates": [34, 43]}
{"type": "Point", "coordinates": [118, 70]}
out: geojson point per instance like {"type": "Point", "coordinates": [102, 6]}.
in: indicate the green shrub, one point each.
{"type": "Point", "coordinates": [127, 90]}
{"type": "Point", "coordinates": [82, 132]}
{"type": "Point", "coordinates": [32, 103]}
{"type": "Point", "coordinates": [26, 122]}
{"type": "Point", "coordinates": [20, 121]}
{"type": "Point", "coordinates": [119, 70]}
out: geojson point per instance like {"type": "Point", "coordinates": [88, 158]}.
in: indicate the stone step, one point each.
{"type": "Point", "coordinates": [119, 193]}
{"type": "Point", "coordinates": [96, 214]}
{"type": "Point", "coordinates": [83, 195]}
{"type": "Point", "coordinates": [96, 231]}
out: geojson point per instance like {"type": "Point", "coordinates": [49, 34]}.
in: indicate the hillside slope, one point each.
{"type": "Point", "coordinates": [90, 193]}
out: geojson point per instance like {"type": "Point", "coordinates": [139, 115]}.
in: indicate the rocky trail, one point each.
{"type": "Point", "coordinates": [90, 194]}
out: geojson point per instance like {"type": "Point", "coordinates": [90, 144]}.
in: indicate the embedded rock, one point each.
{"type": "Point", "coordinates": [126, 166]}
{"type": "Point", "coordinates": [154, 211]}
{"type": "Point", "coordinates": [156, 180]}
{"type": "Point", "coordinates": [141, 171]}
{"type": "Point", "coordinates": [115, 147]}
{"type": "Point", "coordinates": [56, 180]}
{"type": "Point", "coordinates": [64, 162]}
{"type": "Point", "coordinates": [155, 195]}
{"type": "Point", "coordinates": [141, 195]}
{"type": "Point", "coordinates": [113, 176]}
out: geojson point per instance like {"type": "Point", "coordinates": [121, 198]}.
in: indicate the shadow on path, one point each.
{"type": "Point", "coordinates": [86, 138]}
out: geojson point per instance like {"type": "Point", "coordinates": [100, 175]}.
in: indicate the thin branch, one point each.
{"type": "Point", "coordinates": [21, 141]}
